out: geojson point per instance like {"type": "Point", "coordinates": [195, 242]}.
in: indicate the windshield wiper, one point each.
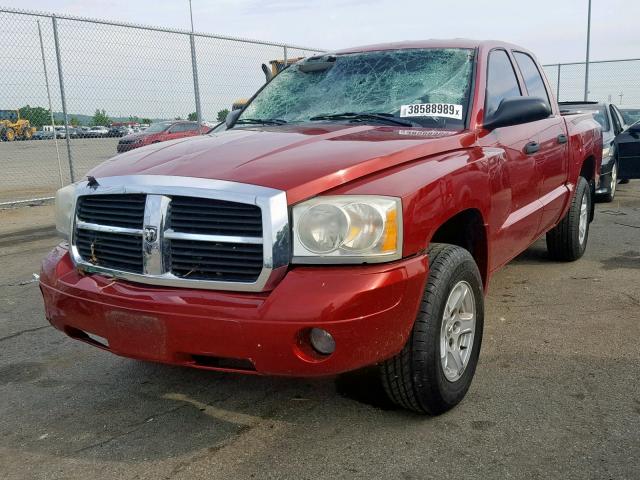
{"type": "Point", "coordinates": [380, 117]}
{"type": "Point", "coordinates": [261, 121]}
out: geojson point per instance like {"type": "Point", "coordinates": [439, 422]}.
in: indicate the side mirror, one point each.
{"type": "Point", "coordinates": [635, 128]}
{"type": "Point", "coordinates": [232, 116]}
{"type": "Point", "coordinates": [518, 110]}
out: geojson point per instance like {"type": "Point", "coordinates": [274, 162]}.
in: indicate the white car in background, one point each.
{"type": "Point", "coordinates": [96, 132]}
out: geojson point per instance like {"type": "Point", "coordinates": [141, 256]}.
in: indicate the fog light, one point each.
{"type": "Point", "coordinates": [322, 341]}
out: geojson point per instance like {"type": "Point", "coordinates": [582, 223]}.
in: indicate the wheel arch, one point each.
{"type": "Point", "coordinates": [466, 229]}
{"type": "Point", "coordinates": [588, 172]}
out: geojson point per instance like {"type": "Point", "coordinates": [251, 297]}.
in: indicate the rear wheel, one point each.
{"type": "Point", "coordinates": [9, 135]}
{"type": "Point", "coordinates": [434, 370]}
{"type": "Point", "coordinates": [567, 241]}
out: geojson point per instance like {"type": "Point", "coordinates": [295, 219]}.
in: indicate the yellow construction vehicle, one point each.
{"type": "Point", "coordinates": [12, 127]}
{"type": "Point", "coordinates": [276, 66]}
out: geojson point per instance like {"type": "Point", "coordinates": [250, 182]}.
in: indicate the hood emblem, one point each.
{"type": "Point", "coordinates": [150, 234]}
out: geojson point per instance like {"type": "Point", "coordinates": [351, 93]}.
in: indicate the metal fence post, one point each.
{"type": "Point", "coordinates": [285, 56]}
{"type": "Point", "coordinates": [586, 64]}
{"type": "Point", "coordinates": [558, 86]}
{"type": "Point", "coordinates": [196, 86]}
{"type": "Point", "coordinates": [62, 96]}
{"type": "Point", "coordinates": [46, 81]}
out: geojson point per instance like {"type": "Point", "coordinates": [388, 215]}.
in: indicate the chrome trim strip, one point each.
{"type": "Point", "coordinates": [155, 212]}
{"type": "Point", "coordinates": [199, 237]}
{"type": "Point", "coordinates": [159, 189]}
{"type": "Point", "coordinates": [107, 228]}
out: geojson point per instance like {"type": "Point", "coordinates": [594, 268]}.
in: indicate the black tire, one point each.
{"type": "Point", "coordinates": [415, 379]}
{"type": "Point", "coordinates": [563, 241]}
{"type": "Point", "coordinates": [613, 181]}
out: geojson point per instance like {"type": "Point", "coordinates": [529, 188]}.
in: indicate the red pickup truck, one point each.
{"type": "Point", "coordinates": [351, 214]}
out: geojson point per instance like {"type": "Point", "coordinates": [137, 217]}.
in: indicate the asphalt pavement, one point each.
{"type": "Point", "coordinates": [556, 394]}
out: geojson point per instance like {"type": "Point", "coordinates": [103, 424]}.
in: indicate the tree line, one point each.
{"type": "Point", "coordinates": [40, 116]}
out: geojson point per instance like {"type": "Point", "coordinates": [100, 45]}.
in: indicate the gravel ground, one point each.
{"type": "Point", "coordinates": [556, 394]}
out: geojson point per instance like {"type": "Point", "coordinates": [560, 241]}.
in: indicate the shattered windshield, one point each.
{"type": "Point", "coordinates": [414, 87]}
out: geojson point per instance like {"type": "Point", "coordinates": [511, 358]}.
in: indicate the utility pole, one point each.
{"type": "Point", "coordinates": [586, 63]}
{"type": "Point", "coordinates": [621, 94]}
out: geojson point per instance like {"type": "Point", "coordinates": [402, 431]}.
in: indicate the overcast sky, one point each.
{"type": "Point", "coordinates": [554, 29]}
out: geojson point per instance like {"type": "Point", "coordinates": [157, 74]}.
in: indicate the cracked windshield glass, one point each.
{"type": "Point", "coordinates": [411, 87]}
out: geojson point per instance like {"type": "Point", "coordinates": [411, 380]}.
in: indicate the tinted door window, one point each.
{"type": "Point", "coordinates": [177, 128]}
{"type": "Point", "coordinates": [501, 81]}
{"type": "Point", "coordinates": [532, 78]}
{"type": "Point", "coordinates": [190, 127]}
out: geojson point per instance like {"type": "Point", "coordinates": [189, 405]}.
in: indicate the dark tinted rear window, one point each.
{"type": "Point", "coordinates": [532, 78]}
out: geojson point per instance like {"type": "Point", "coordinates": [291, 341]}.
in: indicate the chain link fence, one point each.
{"type": "Point", "coordinates": [614, 81]}
{"type": "Point", "coordinates": [87, 73]}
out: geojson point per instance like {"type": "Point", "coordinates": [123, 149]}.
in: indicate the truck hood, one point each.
{"type": "Point", "coordinates": [303, 161]}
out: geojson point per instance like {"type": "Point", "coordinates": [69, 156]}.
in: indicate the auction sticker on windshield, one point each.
{"type": "Point", "coordinates": [449, 110]}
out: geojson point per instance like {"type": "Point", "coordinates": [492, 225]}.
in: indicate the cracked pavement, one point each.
{"type": "Point", "coordinates": [556, 394]}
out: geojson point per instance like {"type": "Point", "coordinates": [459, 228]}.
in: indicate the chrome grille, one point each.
{"type": "Point", "coordinates": [231, 262]}
{"type": "Point", "coordinates": [182, 232]}
{"type": "Point", "coordinates": [115, 210]}
{"type": "Point", "coordinates": [214, 217]}
{"type": "Point", "coordinates": [111, 250]}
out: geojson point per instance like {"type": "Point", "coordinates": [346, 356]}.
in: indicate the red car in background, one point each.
{"type": "Point", "coordinates": [161, 132]}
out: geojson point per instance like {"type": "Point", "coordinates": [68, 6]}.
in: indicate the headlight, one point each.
{"type": "Point", "coordinates": [606, 151]}
{"type": "Point", "coordinates": [65, 203]}
{"type": "Point", "coordinates": [347, 229]}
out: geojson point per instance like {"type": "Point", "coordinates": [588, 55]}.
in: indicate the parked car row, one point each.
{"type": "Point", "coordinates": [86, 132]}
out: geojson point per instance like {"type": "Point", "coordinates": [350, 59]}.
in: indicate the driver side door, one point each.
{"type": "Point", "coordinates": [515, 207]}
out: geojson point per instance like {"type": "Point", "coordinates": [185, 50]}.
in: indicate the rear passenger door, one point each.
{"type": "Point", "coordinates": [516, 208]}
{"type": "Point", "coordinates": [551, 159]}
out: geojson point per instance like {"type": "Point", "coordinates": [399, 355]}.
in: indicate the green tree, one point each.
{"type": "Point", "coordinates": [193, 116]}
{"type": "Point", "coordinates": [146, 121]}
{"type": "Point", "coordinates": [100, 118]}
{"type": "Point", "coordinates": [74, 122]}
{"type": "Point", "coordinates": [222, 114]}
{"type": "Point", "coordinates": [37, 116]}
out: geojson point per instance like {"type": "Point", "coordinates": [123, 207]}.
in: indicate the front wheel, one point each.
{"type": "Point", "coordinates": [567, 241]}
{"type": "Point", "coordinates": [434, 370]}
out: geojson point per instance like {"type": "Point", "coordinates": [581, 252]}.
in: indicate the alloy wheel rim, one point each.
{"type": "Point", "coordinates": [584, 217]}
{"type": "Point", "coordinates": [457, 331]}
